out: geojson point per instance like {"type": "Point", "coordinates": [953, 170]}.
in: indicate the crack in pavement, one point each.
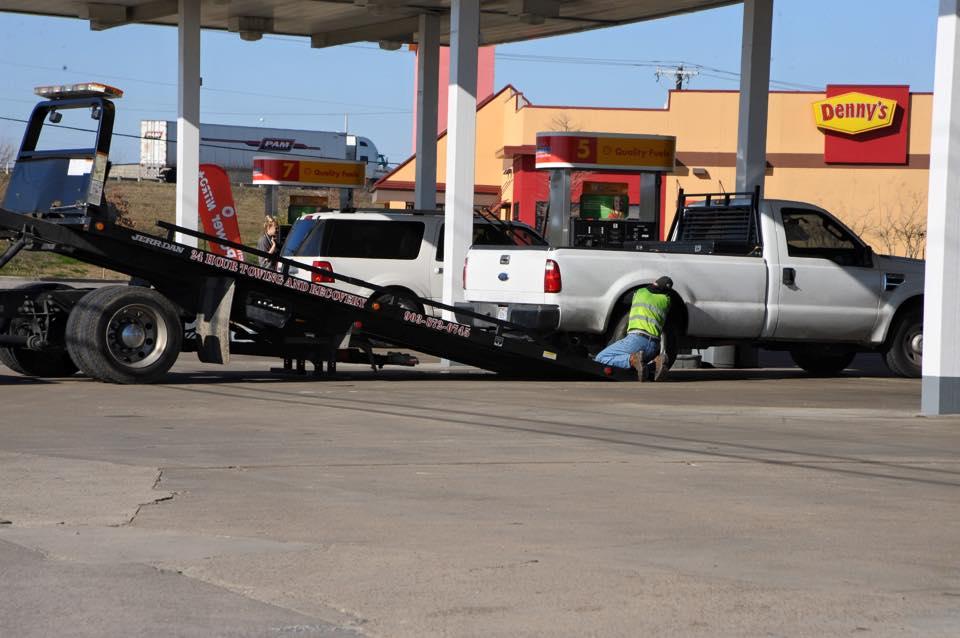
{"type": "Point", "coordinates": [156, 485]}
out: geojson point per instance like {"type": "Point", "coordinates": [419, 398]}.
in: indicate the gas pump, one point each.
{"type": "Point", "coordinates": [607, 218]}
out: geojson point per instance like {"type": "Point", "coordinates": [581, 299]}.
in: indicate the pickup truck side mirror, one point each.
{"type": "Point", "coordinates": [866, 257]}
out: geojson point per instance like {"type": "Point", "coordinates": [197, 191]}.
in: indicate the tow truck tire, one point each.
{"type": "Point", "coordinates": [124, 334]}
{"type": "Point", "coordinates": [822, 362]}
{"type": "Point", "coordinates": [38, 363]}
{"type": "Point", "coordinates": [904, 353]}
{"type": "Point", "coordinates": [50, 363]}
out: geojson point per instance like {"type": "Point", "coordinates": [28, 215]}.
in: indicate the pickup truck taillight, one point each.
{"type": "Point", "coordinates": [317, 278]}
{"type": "Point", "coordinates": [465, 259]}
{"type": "Point", "coordinates": [551, 277]}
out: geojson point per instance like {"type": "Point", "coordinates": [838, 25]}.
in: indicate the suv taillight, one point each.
{"type": "Point", "coordinates": [465, 260]}
{"type": "Point", "coordinates": [317, 278]}
{"type": "Point", "coordinates": [551, 277]}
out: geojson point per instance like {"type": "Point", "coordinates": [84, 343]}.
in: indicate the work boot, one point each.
{"type": "Point", "coordinates": [636, 362]}
{"type": "Point", "coordinates": [660, 367]}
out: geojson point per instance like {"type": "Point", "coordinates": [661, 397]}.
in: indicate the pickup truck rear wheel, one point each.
{"type": "Point", "coordinates": [668, 340]}
{"type": "Point", "coordinates": [822, 362]}
{"type": "Point", "coordinates": [124, 334]}
{"type": "Point", "coordinates": [904, 354]}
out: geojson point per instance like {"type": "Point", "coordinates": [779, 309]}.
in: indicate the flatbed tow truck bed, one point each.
{"type": "Point", "coordinates": [189, 299]}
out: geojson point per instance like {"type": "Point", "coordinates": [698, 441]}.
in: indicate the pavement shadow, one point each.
{"type": "Point", "coordinates": [656, 441]}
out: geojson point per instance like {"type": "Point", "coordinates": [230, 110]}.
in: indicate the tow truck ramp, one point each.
{"type": "Point", "coordinates": [189, 299]}
{"type": "Point", "coordinates": [269, 312]}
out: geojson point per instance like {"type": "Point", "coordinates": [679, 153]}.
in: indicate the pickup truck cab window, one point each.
{"type": "Point", "coordinates": [810, 233]}
{"type": "Point", "coordinates": [490, 235]}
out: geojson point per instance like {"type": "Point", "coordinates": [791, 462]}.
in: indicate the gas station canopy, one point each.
{"type": "Point", "coordinates": [334, 22]}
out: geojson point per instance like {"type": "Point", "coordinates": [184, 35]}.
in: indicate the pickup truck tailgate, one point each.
{"type": "Point", "coordinates": [505, 274]}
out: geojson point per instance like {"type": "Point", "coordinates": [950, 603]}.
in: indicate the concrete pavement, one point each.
{"type": "Point", "coordinates": [416, 503]}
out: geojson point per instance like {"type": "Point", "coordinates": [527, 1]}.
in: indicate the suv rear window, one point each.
{"type": "Point", "coordinates": [357, 238]}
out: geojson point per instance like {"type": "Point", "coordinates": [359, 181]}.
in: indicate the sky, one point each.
{"type": "Point", "coordinates": [282, 82]}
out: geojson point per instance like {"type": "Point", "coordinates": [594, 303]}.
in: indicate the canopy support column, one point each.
{"type": "Point", "coordinates": [941, 310]}
{"type": "Point", "coordinates": [461, 144]}
{"type": "Point", "coordinates": [428, 78]}
{"type": "Point", "coordinates": [754, 94]}
{"type": "Point", "coordinates": [188, 117]}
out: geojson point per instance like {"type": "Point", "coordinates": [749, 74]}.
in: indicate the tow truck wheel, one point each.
{"type": "Point", "coordinates": [36, 363]}
{"type": "Point", "coordinates": [904, 354]}
{"type": "Point", "coordinates": [822, 362]}
{"type": "Point", "coordinates": [124, 334]}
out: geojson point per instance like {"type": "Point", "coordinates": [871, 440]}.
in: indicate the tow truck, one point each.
{"type": "Point", "coordinates": [185, 299]}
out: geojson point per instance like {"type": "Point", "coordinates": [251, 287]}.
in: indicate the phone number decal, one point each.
{"type": "Point", "coordinates": [439, 325]}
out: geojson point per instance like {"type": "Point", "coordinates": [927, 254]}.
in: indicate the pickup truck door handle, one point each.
{"type": "Point", "coordinates": [789, 276]}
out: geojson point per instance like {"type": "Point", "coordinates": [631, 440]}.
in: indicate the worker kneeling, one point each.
{"type": "Point", "coordinates": [640, 349]}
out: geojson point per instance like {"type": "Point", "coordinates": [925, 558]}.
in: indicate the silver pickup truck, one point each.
{"type": "Point", "coordinates": [779, 274]}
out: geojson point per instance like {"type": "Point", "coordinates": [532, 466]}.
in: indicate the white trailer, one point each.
{"type": "Point", "coordinates": [233, 147]}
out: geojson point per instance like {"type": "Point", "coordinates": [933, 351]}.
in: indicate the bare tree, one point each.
{"type": "Point", "coordinates": [563, 122]}
{"type": "Point", "coordinates": [902, 226]}
{"type": "Point", "coordinates": [8, 153]}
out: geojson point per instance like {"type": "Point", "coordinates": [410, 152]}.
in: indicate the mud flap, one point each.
{"type": "Point", "coordinates": [213, 322]}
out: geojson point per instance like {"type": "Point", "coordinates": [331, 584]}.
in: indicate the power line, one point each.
{"type": "Point", "coordinates": [168, 108]}
{"type": "Point", "coordinates": [702, 69]}
{"type": "Point", "coordinates": [679, 74]}
{"type": "Point", "coordinates": [274, 96]}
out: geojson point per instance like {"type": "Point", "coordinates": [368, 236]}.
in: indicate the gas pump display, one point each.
{"type": "Point", "coordinates": [604, 219]}
{"type": "Point", "coordinates": [604, 200]}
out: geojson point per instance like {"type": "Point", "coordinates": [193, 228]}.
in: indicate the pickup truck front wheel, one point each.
{"type": "Point", "coordinates": [904, 354]}
{"type": "Point", "coordinates": [822, 362]}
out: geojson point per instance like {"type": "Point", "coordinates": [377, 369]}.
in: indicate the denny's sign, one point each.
{"type": "Point", "coordinates": [864, 124]}
{"type": "Point", "coordinates": [854, 113]}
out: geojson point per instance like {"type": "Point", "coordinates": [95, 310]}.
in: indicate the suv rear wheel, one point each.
{"type": "Point", "coordinates": [398, 297]}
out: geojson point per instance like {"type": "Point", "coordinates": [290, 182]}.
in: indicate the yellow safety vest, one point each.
{"type": "Point", "coordinates": [648, 312]}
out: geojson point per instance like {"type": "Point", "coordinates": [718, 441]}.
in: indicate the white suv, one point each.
{"type": "Point", "coordinates": [399, 251]}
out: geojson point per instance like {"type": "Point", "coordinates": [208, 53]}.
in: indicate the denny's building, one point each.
{"type": "Point", "coordinates": [861, 152]}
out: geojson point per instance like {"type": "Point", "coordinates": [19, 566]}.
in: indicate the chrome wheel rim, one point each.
{"type": "Point", "coordinates": [913, 346]}
{"type": "Point", "coordinates": [136, 336]}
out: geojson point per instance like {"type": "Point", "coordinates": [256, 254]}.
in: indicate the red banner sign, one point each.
{"type": "Point", "coordinates": [217, 210]}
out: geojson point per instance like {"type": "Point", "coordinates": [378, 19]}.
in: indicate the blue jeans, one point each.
{"type": "Point", "coordinates": [617, 354]}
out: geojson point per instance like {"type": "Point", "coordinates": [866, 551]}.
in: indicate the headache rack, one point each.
{"type": "Point", "coordinates": [720, 223]}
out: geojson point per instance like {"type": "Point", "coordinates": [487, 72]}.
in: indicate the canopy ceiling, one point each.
{"type": "Point", "coordinates": [334, 22]}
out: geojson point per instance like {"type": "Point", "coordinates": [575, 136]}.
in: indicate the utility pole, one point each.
{"type": "Point", "coordinates": [679, 74]}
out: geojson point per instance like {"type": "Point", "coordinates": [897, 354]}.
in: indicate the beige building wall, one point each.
{"type": "Point", "coordinates": [885, 204]}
